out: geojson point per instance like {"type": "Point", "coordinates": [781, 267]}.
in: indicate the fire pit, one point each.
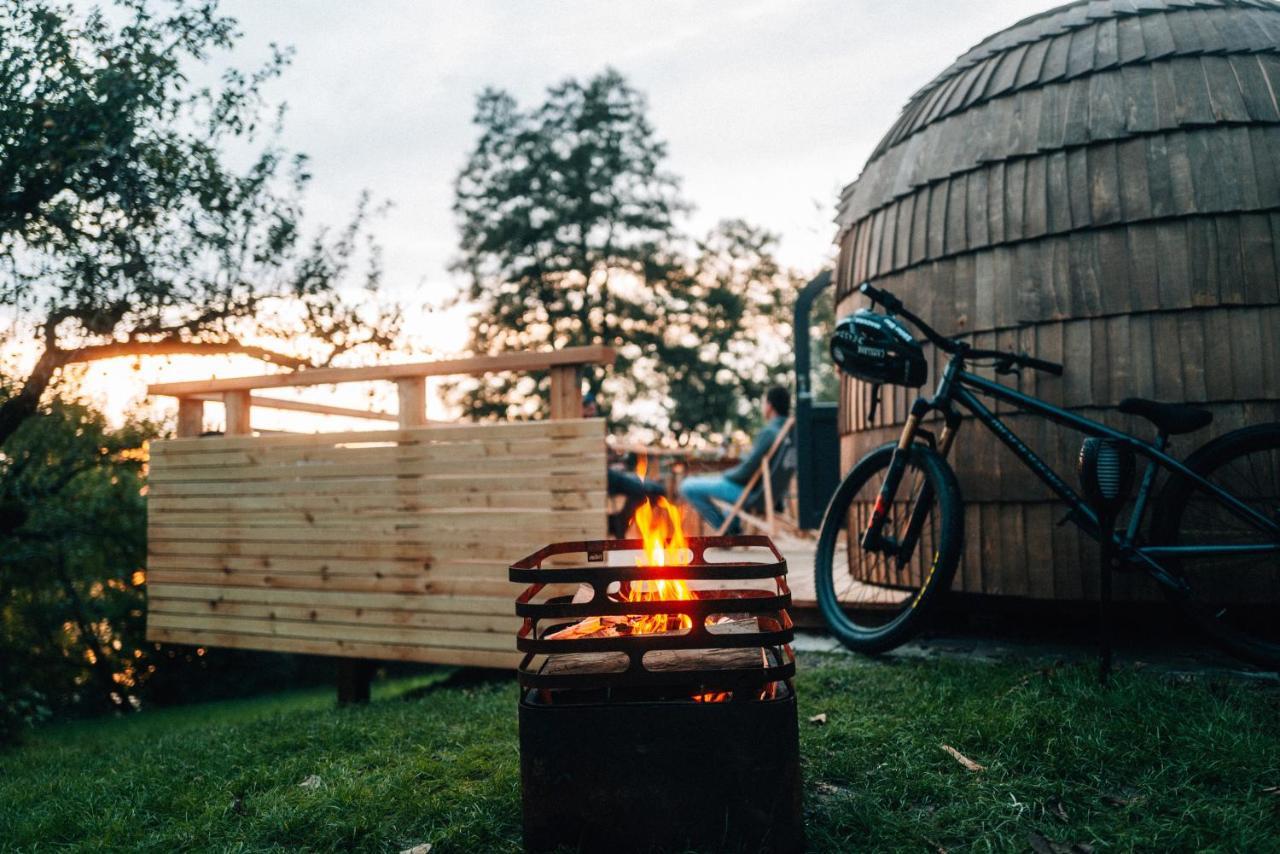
{"type": "Point", "coordinates": [657, 709]}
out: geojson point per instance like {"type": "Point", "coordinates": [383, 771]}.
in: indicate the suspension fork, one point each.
{"type": "Point", "coordinates": [873, 538]}
{"type": "Point", "coordinates": [920, 510]}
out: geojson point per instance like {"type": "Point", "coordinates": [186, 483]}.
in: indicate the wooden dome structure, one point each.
{"type": "Point", "coordinates": [1098, 185]}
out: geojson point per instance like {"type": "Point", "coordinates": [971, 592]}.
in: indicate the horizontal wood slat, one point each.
{"type": "Point", "coordinates": [417, 501]}
{"type": "Point", "coordinates": [385, 518]}
{"type": "Point", "coordinates": [463, 656]}
{"type": "Point", "coordinates": [354, 583]}
{"type": "Point", "coordinates": [321, 599]}
{"type": "Point", "coordinates": [415, 485]}
{"type": "Point", "coordinates": [334, 616]}
{"type": "Point", "coordinates": [447, 433]}
{"type": "Point", "coordinates": [309, 630]}
{"type": "Point", "coordinates": [390, 544]}
{"type": "Point", "coordinates": [326, 567]}
{"type": "Point", "coordinates": [196, 465]}
{"type": "Point", "coordinates": [461, 466]}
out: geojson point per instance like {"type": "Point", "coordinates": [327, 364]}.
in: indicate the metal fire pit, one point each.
{"type": "Point", "coordinates": [628, 743]}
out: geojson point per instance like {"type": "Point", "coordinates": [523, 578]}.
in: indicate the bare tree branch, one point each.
{"type": "Point", "coordinates": [98, 352]}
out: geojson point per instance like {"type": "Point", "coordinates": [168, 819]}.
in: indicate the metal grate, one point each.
{"type": "Point", "coordinates": [736, 641]}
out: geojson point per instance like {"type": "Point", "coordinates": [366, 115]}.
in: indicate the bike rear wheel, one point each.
{"type": "Point", "coordinates": [1235, 599]}
{"type": "Point", "coordinates": [872, 601]}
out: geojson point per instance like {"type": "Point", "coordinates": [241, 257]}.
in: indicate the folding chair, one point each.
{"type": "Point", "coordinates": [763, 502]}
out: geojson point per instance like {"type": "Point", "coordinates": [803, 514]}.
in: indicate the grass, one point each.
{"type": "Point", "coordinates": [1151, 763]}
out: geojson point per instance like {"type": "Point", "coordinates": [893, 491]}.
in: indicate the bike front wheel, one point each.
{"type": "Point", "coordinates": [1234, 598]}
{"type": "Point", "coordinates": [875, 600]}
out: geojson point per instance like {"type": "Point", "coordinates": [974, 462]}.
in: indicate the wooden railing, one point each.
{"type": "Point", "coordinates": [235, 393]}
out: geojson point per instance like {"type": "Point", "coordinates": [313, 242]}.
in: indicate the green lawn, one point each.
{"type": "Point", "coordinates": [1153, 763]}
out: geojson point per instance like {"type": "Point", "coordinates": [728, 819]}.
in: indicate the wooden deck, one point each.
{"type": "Point", "coordinates": [804, 599]}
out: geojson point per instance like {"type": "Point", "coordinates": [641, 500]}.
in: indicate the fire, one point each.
{"type": "Point", "coordinates": [663, 544]}
{"type": "Point", "coordinates": [662, 531]}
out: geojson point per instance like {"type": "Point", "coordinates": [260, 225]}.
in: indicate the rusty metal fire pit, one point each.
{"type": "Point", "coordinates": [675, 739]}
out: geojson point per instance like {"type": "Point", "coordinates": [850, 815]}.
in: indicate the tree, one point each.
{"type": "Point", "coordinates": [569, 235]}
{"type": "Point", "coordinates": [566, 215]}
{"type": "Point", "coordinates": [726, 332]}
{"type": "Point", "coordinates": [124, 230]}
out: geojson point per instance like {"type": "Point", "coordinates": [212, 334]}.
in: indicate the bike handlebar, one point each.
{"type": "Point", "coordinates": [1040, 364]}
{"type": "Point", "coordinates": [893, 305]}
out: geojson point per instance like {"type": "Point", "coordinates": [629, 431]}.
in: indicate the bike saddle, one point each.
{"type": "Point", "coordinates": [1171, 418]}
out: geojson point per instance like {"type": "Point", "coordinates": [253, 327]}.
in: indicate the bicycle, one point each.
{"type": "Point", "coordinates": [1213, 538]}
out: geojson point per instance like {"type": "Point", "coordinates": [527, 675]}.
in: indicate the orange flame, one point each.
{"type": "Point", "coordinates": [662, 531]}
{"type": "Point", "coordinates": [664, 544]}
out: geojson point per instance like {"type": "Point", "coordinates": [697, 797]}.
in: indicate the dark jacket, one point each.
{"type": "Point", "coordinates": [741, 473]}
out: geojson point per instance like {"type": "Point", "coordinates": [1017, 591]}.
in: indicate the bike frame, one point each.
{"type": "Point", "coordinates": [958, 386]}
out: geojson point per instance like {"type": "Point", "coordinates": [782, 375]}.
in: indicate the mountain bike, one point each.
{"type": "Point", "coordinates": [893, 531]}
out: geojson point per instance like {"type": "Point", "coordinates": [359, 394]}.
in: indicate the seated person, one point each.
{"type": "Point", "coordinates": [727, 486]}
{"type": "Point", "coordinates": [620, 482]}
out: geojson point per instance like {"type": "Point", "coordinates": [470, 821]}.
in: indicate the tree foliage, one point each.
{"type": "Point", "coordinates": [555, 206]}
{"type": "Point", "coordinates": [72, 547]}
{"type": "Point", "coordinates": [726, 331]}
{"type": "Point", "coordinates": [570, 235]}
{"type": "Point", "coordinates": [125, 225]}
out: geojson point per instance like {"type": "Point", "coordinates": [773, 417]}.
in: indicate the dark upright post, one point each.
{"type": "Point", "coordinates": [354, 677]}
{"type": "Point", "coordinates": [1106, 474]}
{"type": "Point", "coordinates": [1106, 521]}
{"type": "Point", "coordinates": [817, 434]}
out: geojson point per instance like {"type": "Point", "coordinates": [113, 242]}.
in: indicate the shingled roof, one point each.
{"type": "Point", "coordinates": [1088, 72]}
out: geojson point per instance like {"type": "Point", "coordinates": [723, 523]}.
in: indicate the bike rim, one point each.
{"type": "Point", "coordinates": [871, 592]}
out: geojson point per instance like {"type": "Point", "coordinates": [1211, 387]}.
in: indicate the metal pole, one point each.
{"type": "Point", "coordinates": [1106, 523]}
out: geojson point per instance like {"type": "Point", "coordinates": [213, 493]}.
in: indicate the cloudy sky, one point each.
{"type": "Point", "coordinates": [768, 107]}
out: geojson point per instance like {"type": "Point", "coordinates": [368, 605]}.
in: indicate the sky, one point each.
{"type": "Point", "coordinates": [768, 109]}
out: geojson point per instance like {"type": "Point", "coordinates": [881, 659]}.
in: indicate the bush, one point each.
{"type": "Point", "coordinates": [73, 583]}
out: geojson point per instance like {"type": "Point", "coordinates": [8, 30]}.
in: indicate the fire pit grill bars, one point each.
{"type": "Point", "coordinates": [687, 739]}
{"type": "Point", "coordinates": [760, 621]}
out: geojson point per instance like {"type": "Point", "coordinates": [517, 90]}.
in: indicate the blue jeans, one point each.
{"type": "Point", "coordinates": [700, 489]}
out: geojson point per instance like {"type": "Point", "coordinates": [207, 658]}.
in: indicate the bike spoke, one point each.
{"type": "Point", "coordinates": [1232, 591]}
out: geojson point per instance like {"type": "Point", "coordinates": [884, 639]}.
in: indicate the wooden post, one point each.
{"type": "Point", "coordinates": [566, 392]}
{"type": "Point", "coordinates": [354, 678]}
{"type": "Point", "coordinates": [768, 495]}
{"type": "Point", "coordinates": [412, 392]}
{"type": "Point", "coordinates": [190, 417]}
{"type": "Point", "coordinates": [238, 406]}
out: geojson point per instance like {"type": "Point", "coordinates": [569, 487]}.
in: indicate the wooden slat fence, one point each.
{"type": "Point", "coordinates": [390, 544]}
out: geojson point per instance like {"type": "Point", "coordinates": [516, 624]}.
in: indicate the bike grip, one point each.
{"type": "Point", "coordinates": [1041, 365]}
{"type": "Point", "coordinates": [884, 298]}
